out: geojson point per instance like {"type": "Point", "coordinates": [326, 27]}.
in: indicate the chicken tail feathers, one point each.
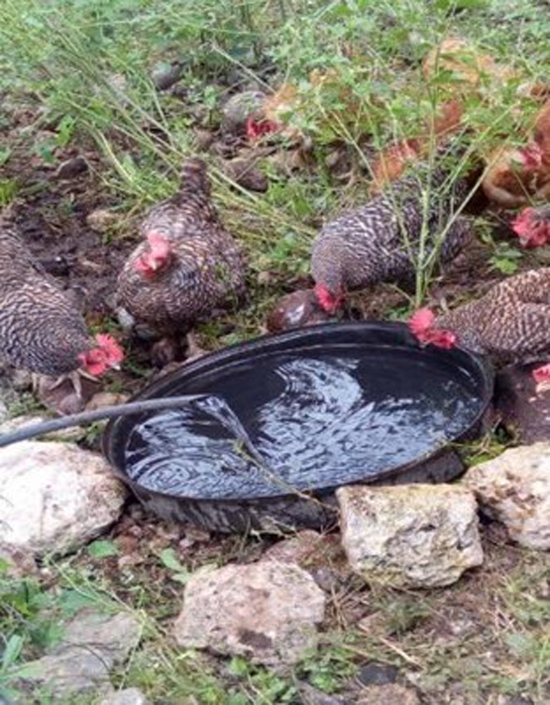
{"type": "Point", "coordinates": [194, 177]}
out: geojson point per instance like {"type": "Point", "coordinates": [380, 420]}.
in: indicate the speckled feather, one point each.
{"type": "Point", "coordinates": [510, 323]}
{"type": "Point", "coordinates": [40, 328]}
{"type": "Point", "coordinates": [208, 268]}
{"type": "Point", "coordinates": [379, 241]}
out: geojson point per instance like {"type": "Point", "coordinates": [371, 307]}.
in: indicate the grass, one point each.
{"type": "Point", "coordinates": [486, 636]}
{"type": "Point", "coordinates": [92, 67]}
{"type": "Point", "coordinates": [88, 67]}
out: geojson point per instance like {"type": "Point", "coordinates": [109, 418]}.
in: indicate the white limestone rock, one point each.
{"type": "Point", "coordinates": [266, 611]}
{"type": "Point", "coordinates": [410, 535]}
{"type": "Point", "coordinates": [55, 496]}
{"type": "Point", "coordinates": [514, 489]}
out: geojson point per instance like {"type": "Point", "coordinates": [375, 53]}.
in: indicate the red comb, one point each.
{"type": "Point", "coordinates": [532, 155]}
{"type": "Point", "coordinates": [258, 128]}
{"type": "Point", "coordinates": [110, 345]}
{"type": "Point", "coordinates": [532, 231]}
{"type": "Point", "coordinates": [541, 374]}
{"type": "Point", "coordinates": [421, 321]}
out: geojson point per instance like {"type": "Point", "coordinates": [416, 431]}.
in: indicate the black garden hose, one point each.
{"type": "Point", "coordinates": [87, 417]}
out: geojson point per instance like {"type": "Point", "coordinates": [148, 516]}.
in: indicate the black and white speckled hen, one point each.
{"type": "Point", "coordinates": [40, 328]}
{"type": "Point", "coordinates": [380, 241]}
{"type": "Point", "coordinates": [510, 323]}
{"type": "Point", "coordinates": [188, 263]}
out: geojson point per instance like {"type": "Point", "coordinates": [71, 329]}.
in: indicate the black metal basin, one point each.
{"type": "Point", "coordinates": [405, 406]}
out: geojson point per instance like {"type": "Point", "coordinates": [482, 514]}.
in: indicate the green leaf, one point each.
{"type": "Point", "coordinates": [522, 645]}
{"type": "Point", "coordinates": [238, 666]}
{"type": "Point", "coordinates": [12, 651]}
{"type": "Point", "coordinates": [103, 549]}
{"type": "Point", "coordinates": [182, 578]}
{"type": "Point", "coordinates": [171, 561]}
{"type": "Point", "coordinates": [71, 601]}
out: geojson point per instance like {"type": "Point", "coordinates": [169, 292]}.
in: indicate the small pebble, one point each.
{"type": "Point", "coordinates": [374, 673]}
{"type": "Point", "coordinates": [166, 76]}
{"type": "Point", "coordinates": [101, 220]}
{"type": "Point", "coordinates": [72, 167]}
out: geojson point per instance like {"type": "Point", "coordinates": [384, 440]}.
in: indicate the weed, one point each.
{"type": "Point", "coordinates": [8, 191]}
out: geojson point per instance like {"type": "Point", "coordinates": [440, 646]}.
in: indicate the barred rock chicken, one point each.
{"type": "Point", "coordinates": [187, 265]}
{"type": "Point", "coordinates": [510, 323]}
{"type": "Point", "coordinates": [40, 328]}
{"type": "Point", "coordinates": [380, 240]}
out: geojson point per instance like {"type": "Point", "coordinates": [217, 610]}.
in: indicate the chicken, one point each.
{"type": "Point", "coordinates": [541, 133]}
{"type": "Point", "coordinates": [533, 226]}
{"type": "Point", "coordinates": [392, 161]}
{"type": "Point", "coordinates": [328, 99]}
{"type": "Point", "coordinates": [514, 175]}
{"type": "Point", "coordinates": [510, 323]}
{"type": "Point", "coordinates": [40, 328]}
{"type": "Point", "coordinates": [466, 64]}
{"type": "Point", "coordinates": [187, 265]}
{"type": "Point", "coordinates": [380, 241]}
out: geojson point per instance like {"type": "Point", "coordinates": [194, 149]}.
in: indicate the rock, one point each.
{"type": "Point", "coordinates": [374, 673]}
{"type": "Point", "coordinates": [165, 77]}
{"type": "Point", "coordinates": [101, 220]}
{"type": "Point", "coordinates": [266, 278]}
{"type": "Point", "coordinates": [296, 310]}
{"type": "Point", "coordinates": [57, 266]}
{"type": "Point", "coordinates": [391, 694]}
{"type": "Point", "coordinates": [410, 535]}
{"type": "Point", "coordinates": [72, 167]}
{"type": "Point", "coordinates": [16, 562]}
{"type": "Point", "coordinates": [165, 351]}
{"type": "Point", "coordinates": [524, 412]}
{"type": "Point", "coordinates": [129, 696]}
{"type": "Point", "coordinates": [55, 496]}
{"type": "Point", "coordinates": [103, 399]}
{"type": "Point", "coordinates": [203, 139]}
{"type": "Point", "coordinates": [239, 108]}
{"type": "Point", "coordinates": [264, 611]}
{"type": "Point", "coordinates": [311, 696]}
{"type": "Point", "coordinates": [91, 645]}
{"type": "Point", "coordinates": [244, 173]}
{"type": "Point", "coordinates": [514, 489]}
{"type": "Point", "coordinates": [321, 555]}
{"type": "Point", "coordinates": [117, 84]}
{"type": "Point", "coordinates": [299, 549]}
